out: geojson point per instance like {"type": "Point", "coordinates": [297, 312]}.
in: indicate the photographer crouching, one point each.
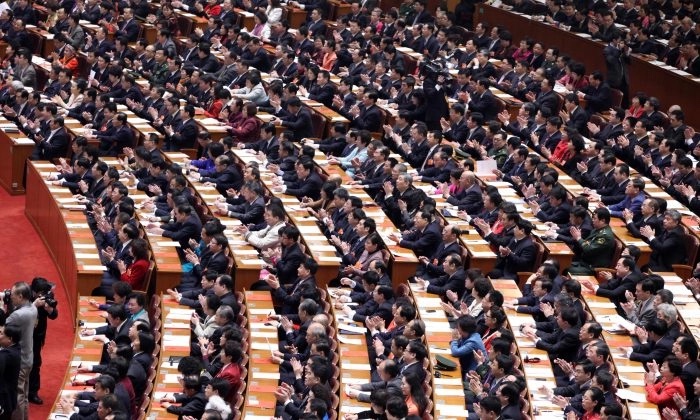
{"type": "Point", "coordinates": [45, 302]}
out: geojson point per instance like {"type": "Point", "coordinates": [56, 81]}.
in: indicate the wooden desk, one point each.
{"type": "Point", "coordinates": [46, 39]}
{"type": "Point", "coordinates": [537, 375]}
{"type": "Point", "coordinates": [296, 17]}
{"type": "Point", "coordinates": [603, 311]}
{"type": "Point", "coordinates": [644, 76]}
{"type": "Point", "coordinates": [448, 393]}
{"type": "Point", "coordinates": [65, 233]}
{"type": "Point", "coordinates": [86, 353]}
{"type": "Point", "coordinates": [354, 356]}
{"type": "Point", "coordinates": [247, 263]}
{"type": "Point", "coordinates": [263, 375]}
{"type": "Point", "coordinates": [246, 19]}
{"type": "Point", "coordinates": [15, 149]}
{"type": "Point", "coordinates": [175, 343]}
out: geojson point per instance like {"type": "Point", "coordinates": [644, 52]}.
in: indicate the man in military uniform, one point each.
{"type": "Point", "coordinates": [597, 249]}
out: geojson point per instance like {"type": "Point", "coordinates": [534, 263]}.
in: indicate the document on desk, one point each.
{"type": "Point", "coordinates": [445, 381]}
{"type": "Point", "coordinates": [167, 243]}
{"type": "Point", "coordinates": [347, 340]}
{"type": "Point", "coordinates": [352, 329]}
{"type": "Point", "coordinates": [259, 345]}
{"type": "Point", "coordinates": [181, 317]}
{"type": "Point", "coordinates": [626, 394]}
{"type": "Point", "coordinates": [88, 267]}
{"type": "Point", "coordinates": [88, 256]}
{"type": "Point", "coordinates": [452, 410]}
{"type": "Point", "coordinates": [434, 326]}
{"type": "Point", "coordinates": [265, 375]}
{"type": "Point", "coordinates": [600, 304]}
{"type": "Point", "coordinates": [356, 366]}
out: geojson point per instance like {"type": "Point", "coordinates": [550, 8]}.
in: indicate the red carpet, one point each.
{"type": "Point", "coordinates": [23, 257]}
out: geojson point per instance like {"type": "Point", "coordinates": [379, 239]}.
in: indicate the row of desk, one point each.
{"type": "Point", "coordinates": [670, 86]}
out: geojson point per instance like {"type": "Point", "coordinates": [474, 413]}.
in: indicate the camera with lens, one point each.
{"type": "Point", "coordinates": [42, 288]}
{"type": "Point", "coordinates": [6, 297]}
{"type": "Point", "coordinates": [431, 70]}
{"type": "Point", "coordinates": [50, 299]}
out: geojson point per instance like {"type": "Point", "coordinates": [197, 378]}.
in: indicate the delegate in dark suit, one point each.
{"type": "Point", "coordinates": [519, 258]}
{"type": "Point", "coordinates": [300, 290]}
{"type": "Point", "coordinates": [10, 360]}
{"type": "Point", "coordinates": [370, 118]}
{"type": "Point", "coordinates": [564, 342]}
{"type": "Point", "coordinates": [52, 147]}
{"type": "Point", "coordinates": [423, 241]}
{"type": "Point", "coordinates": [667, 249]}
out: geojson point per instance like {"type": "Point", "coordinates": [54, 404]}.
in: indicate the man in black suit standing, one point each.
{"type": "Point", "coordinates": [573, 115]}
{"type": "Point", "coordinates": [649, 209]}
{"type": "Point", "coordinates": [114, 143]}
{"type": "Point", "coordinates": [10, 360]}
{"type": "Point", "coordinates": [616, 286]}
{"type": "Point", "coordinates": [304, 287]}
{"type": "Point", "coordinates": [129, 28]}
{"type": "Point", "coordinates": [617, 59]}
{"type": "Point", "coordinates": [291, 257]}
{"type": "Point", "coordinates": [432, 267]}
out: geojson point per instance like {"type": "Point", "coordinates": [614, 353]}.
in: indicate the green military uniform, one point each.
{"type": "Point", "coordinates": [160, 74]}
{"type": "Point", "coordinates": [594, 251]}
{"type": "Point", "coordinates": [499, 155]}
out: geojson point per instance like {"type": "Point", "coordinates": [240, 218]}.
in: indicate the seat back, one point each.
{"type": "Point", "coordinates": [692, 243]}
{"type": "Point", "coordinates": [616, 97]}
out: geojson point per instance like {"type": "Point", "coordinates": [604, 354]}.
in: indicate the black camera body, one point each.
{"type": "Point", "coordinates": [50, 299]}
{"type": "Point", "coordinates": [433, 69]}
{"type": "Point", "coordinates": [7, 297]}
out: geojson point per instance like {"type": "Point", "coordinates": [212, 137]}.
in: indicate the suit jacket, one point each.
{"type": "Point", "coordinates": [469, 200]}
{"type": "Point", "coordinates": [578, 119]}
{"type": "Point", "coordinates": [248, 212]}
{"type": "Point", "coordinates": [425, 242]}
{"type": "Point", "coordinates": [656, 351]}
{"type": "Point", "coordinates": [454, 282]}
{"type": "Point", "coordinates": [10, 361]}
{"type": "Point", "coordinates": [191, 228]}
{"type": "Point", "coordinates": [369, 119]}
{"type": "Point", "coordinates": [484, 104]}
{"type": "Point", "coordinates": [615, 288]}
{"type": "Point", "coordinates": [211, 262]}
{"type": "Point", "coordinates": [558, 214]}
{"type": "Point", "coordinates": [300, 123]}
{"type": "Point", "coordinates": [654, 221]}
{"type": "Point", "coordinates": [309, 187]}
{"type": "Point", "coordinates": [290, 260]}
{"type": "Point", "coordinates": [521, 257]}
{"type": "Point", "coordinates": [667, 249]}
{"type": "Point", "coordinates": [55, 147]}
{"type": "Point", "coordinates": [298, 291]}
{"type": "Point", "coordinates": [562, 344]}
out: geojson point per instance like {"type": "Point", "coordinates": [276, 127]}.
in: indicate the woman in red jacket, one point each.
{"type": "Point", "coordinates": [246, 129]}
{"type": "Point", "coordinates": [135, 274]}
{"type": "Point", "coordinates": [231, 355]}
{"type": "Point", "coordinates": [661, 392]}
{"type": "Point", "coordinates": [221, 96]}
